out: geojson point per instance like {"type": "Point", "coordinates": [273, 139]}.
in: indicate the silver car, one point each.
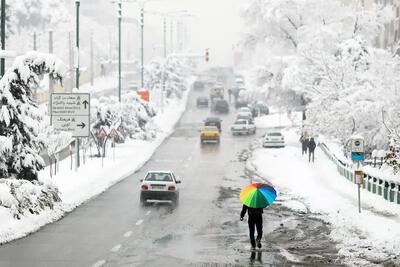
{"type": "Point", "coordinates": [274, 139]}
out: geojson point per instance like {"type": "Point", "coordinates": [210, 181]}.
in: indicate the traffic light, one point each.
{"type": "Point", "coordinates": [207, 55]}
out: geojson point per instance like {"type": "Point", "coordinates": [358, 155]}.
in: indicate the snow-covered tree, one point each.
{"type": "Point", "coordinates": [20, 117]}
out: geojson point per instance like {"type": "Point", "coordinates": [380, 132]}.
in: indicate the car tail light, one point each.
{"type": "Point", "coordinates": [171, 188]}
{"type": "Point", "coordinates": [202, 135]}
{"type": "Point", "coordinates": [145, 187]}
{"type": "Point", "coordinates": [216, 135]}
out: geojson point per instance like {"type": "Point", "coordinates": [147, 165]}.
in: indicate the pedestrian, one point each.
{"type": "Point", "coordinates": [304, 144]}
{"type": "Point", "coordinates": [255, 220]}
{"type": "Point", "coordinates": [311, 148]}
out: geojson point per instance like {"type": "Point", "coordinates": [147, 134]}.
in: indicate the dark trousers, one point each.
{"type": "Point", "coordinates": [309, 156]}
{"type": "Point", "coordinates": [304, 150]}
{"type": "Point", "coordinates": [255, 221]}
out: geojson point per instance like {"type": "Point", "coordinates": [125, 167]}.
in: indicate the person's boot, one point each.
{"type": "Point", "coordinates": [253, 246]}
{"type": "Point", "coordinates": [258, 243]}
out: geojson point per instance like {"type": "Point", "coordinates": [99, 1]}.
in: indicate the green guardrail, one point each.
{"type": "Point", "coordinates": [389, 190]}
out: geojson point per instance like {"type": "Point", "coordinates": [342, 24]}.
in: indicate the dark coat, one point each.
{"type": "Point", "coordinates": [250, 211]}
{"type": "Point", "coordinates": [312, 145]}
{"type": "Point", "coordinates": [304, 143]}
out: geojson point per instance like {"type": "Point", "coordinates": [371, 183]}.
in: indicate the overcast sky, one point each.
{"type": "Point", "coordinates": [216, 24]}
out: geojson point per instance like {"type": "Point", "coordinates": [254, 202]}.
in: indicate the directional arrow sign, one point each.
{"type": "Point", "coordinates": [71, 113]}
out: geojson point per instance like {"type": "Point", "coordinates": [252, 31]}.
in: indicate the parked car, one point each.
{"type": "Point", "coordinates": [209, 134]}
{"type": "Point", "coordinates": [274, 139]}
{"type": "Point", "coordinates": [216, 92]}
{"type": "Point", "coordinates": [221, 106]}
{"type": "Point", "coordinates": [259, 109]}
{"type": "Point", "coordinates": [202, 101]}
{"type": "Point", "coordinates": [213, 121]}
{"type": "Point", "coordinates": [243, 127]}
{"type": "Point", "coordinates": [159, 185]}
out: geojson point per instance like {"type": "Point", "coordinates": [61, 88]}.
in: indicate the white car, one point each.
{"type": "Point", "coordinates": [274, 139]}
{"type": "Point", "coordinates": [244, 112]}
{"type": "Point", "coordinates": [243, 127]}
{"type": "Point", "coordinates": [159, 185]}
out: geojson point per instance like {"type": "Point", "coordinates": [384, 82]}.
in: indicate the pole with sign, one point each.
{"type": "Point", "coordinates": [102, 134]}
{"type": "Point", "coordinates": [358, 155]}
{"type": "Point", "coordinates": [70, 112]}
{"type": "Point", "coordinates": [112, 135]}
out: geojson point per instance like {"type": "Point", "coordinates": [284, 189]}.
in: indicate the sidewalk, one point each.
{"type": "Point", "coordinates": [375, 232]}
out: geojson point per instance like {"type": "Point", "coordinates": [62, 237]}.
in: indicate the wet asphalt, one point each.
{"type": "Point", "coordinates": [113, 229]}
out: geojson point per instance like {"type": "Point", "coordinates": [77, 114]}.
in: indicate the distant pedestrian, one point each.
{"type": "Point", "coordinates": [230, 94]}
{"type": "Point", "coordinates": [311, 148]}
{"type": "Point", "coordinates": [304, 144]}
{"type": "Point", "coordinates": [255, 220]}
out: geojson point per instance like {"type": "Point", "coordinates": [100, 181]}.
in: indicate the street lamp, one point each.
{"type": "Point", "coordinates": [77, 4]}
{"type": "Point", "coordinates": [3, 35]}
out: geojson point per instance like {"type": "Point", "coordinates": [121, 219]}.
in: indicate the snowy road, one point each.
{"type": "Point", "coordinates": [114, 230]}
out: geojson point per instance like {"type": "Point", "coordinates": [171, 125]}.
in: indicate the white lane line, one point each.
{"type": "Point", "coordinates": [148, 213]}
{"type": "Point", "coordinates": [99, 263]}
{"type": "Point", "coordinates": [139, 222]}
{"type": "Point", "coordinates": [116, 248]}
{"type": "Point", "coordinates": [128, 234]}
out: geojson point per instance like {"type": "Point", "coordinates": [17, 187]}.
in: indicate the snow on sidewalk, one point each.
{"type": "Point", "coordinates": [374, 234]}
{"type": "Point", "coordinates": [91, 179]}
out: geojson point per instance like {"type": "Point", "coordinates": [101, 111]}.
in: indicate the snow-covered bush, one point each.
{"type": "Point", "coordinates": [24, 197]}
{"type": "Point", "coordinates": [20, 118]}
{"type": "Point", "coordinates": [130, 118]}
{"type": "Point", "coordinates": [175, 73]}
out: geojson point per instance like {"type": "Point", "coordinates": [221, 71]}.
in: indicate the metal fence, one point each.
{"type": "Point", "coordinates": [387, 189]}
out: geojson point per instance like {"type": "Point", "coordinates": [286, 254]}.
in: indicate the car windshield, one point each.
{"type": "Point", "coordinates": [240, 122]}
{"type": "Point", "coordinates": [159, 177]}
{"type": "Point", "coordinates": [210, 128]}
{"type": "Point", "coordinates": [274, 134]}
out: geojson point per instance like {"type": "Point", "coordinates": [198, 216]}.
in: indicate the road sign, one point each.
{"type": "Point", "coordinates": [357, 145]}
{"type": "Point", "coordinates": [113, 133]}
{"type": "Point", "coordinates": [102, 133]}
{"type": "Point", "coordinates": [70, 112]}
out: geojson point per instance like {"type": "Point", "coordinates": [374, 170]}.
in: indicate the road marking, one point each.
{"type": "Point", "coordinates": [128, 234]}
{"type": "Point", "coordinates": [139, 222]}
{"type": "Point", "coordinates": [99, 263]}
{"type": "Point", "coordinates": [148, 213]}
{"type": "Point", "coordinates": [116, 248]}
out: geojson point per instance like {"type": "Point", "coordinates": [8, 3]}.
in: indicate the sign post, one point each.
{"type": "Point", "coordinates": [112, 135]}
{"type": "Point", "coordinates": [102, 134]}
{"type": "Point", "coordinates": [70, 112]}
{"type": "Point", "coordinates": [358, 155]}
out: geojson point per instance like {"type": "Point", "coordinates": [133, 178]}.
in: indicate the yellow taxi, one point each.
{"type": "Point", "coordinates": [209, 134]}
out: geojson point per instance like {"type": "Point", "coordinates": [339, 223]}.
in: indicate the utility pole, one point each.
{"type": "Point", "coordinates": [3, 35]}
{"type": "Point", "coordinates": [171, 36]}
{"type": "Point", "coordinates": [165, 37]}
{"type": "Point", "coordinates": [71, 62]}
{"type": "Point", "coordinates": [119, 48]}
{"type": "Point", "coordinates": [77, 2]}
{"type": "Point", "coordinates": [142, 47]}
{"type": "Point", "coordinates": [34, 41]}
{"type": "Point", "coordinates": [91, 60]}
{"type": "Point", "coordinates": [51, 84]}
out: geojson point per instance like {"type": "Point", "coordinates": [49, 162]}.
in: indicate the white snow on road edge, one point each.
{"type": "Point", "coordinates": [91, 179]}
{"type": "Point", "coordinates": [374, 234]}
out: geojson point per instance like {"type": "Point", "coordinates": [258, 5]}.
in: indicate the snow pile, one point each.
{"type": "Point", "coordinates": [21, 197]}
{"type": "Point", "coordinates": [325, 192]}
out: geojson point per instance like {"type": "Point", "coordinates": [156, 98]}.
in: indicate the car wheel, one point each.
{"type": "Point", "coordinates": [143, 200]}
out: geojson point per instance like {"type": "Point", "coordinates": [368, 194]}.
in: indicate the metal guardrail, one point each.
{"type": "Point", "coordinates": [389, 190]}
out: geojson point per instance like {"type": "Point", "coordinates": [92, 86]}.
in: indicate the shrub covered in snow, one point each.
{"type": "Point", "coordinates": [175, 72]}
{"type": "Point", "coordinates": [20, 118]}
{"type": "Point", "coordinates": [130, 118]}
{"type": "Point", "coordinates": [22, 197]}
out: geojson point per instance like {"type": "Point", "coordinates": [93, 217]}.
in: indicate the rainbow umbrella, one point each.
{"type": "Point", "coordinates": [257, 195]}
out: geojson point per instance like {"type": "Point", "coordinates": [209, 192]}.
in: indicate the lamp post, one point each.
{"type": "Point", "coordinates": [3, 35]}
{"type": "Point", "coordinates": [77, 4]}
{"type": "Point", "coordinates": [119, 48]}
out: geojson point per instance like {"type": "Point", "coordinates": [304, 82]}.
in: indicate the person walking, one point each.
{"type": "Point", "coordinates": [311, 148]}
{"type": "Point", "coordinates": [230, 94]}
{"type": "Point", "coordinates": [255, 220]}
{"type": "Point", "coordinates": [304, 144]}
